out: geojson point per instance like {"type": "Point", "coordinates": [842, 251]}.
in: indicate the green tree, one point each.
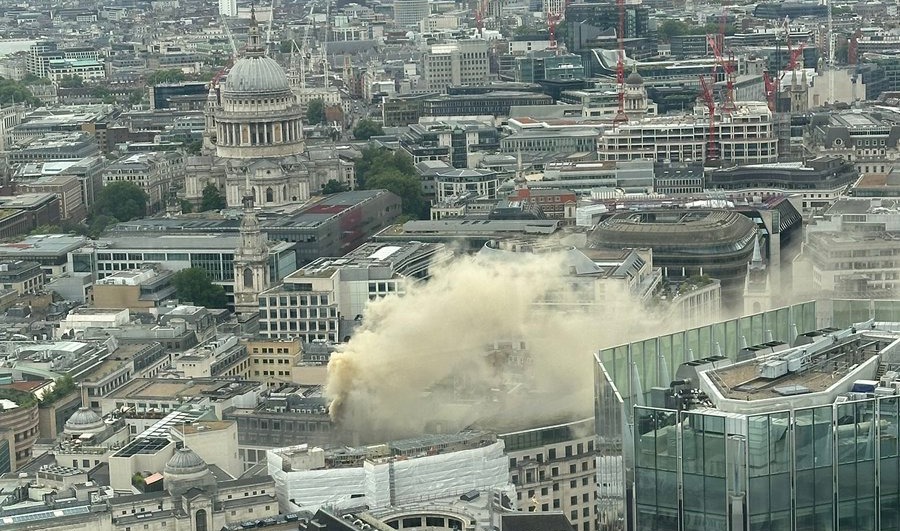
{"type": "Point", "coordinates": [63, 386]}
{"type": "Point", "coordinates": [12, 91]}
{"type": "Point", "coordinates": [193, 147]}
{"type": "Point", "coordinates": [366, 129]}
{"type": "Point", "coordinates": [97, 224]}
{"type": "Point", "coordinates": [315, 112]}
{"type": "Point", "coordinates": [333, 186]}
{"type": "Point", "coordinates": [165, 76]}
{"type": "Point", "coordinates": [194, 285]}
{"type": "Point", "coordinates": [671, 28]}
{"type": "Point", "coordinates": [212, 198]}
{"type": "Point", "coordinates": [380, 168]}
{"type": "Point", "coordinates": [71, 82]}
{"type": "Point", "coordinates": [186, 206]}
{"type": "Point", "coordinates": [122, 200]}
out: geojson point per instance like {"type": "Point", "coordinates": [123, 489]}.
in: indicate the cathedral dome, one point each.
{"type": "Point", "coordinates": [256, 75]}
{"type": "Point", "coordinates": [634, 79]}
{"type": "Point", "coordinates": [184, 462]}
{"type": "Point", "coordinates": [84, 420]}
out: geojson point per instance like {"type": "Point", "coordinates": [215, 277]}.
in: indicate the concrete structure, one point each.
{"type": "Point", "coordinates": [410, 13]}
{"type": "Point", "coordinates": [139, 291]}
{"type": "Point", "coordinates": [325, 299]}
{"type": "Point", "coordinates": [272, 361]}
{"type": "Point", "coordinates": [456, 63]}
{"type": "Point", "coordinates": [221, 357]}
{"type": "Point", "coordinates": [155, 173]}
{"type": "Point", "coordinates": [23, 277]}
{"type": "Point", "coordinates": [745, 137]}
{"type": "Point", "coordinates": [849, 251]}
{"type": "Point", "coordinates": [66, 187]}
{"type": "Point", "coordinates": [554, 470]}
{"type": "Point", "coordinates": [723, 252]}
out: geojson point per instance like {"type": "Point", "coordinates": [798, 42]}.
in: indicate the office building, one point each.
{"type": "Point", "coordinates": [850, 251]}
{"type": "Point", "coordinates": [23, 277]}
{"type": "Point", "coordinates": [214, 253]}
{"type": "Point", "coordinates": [456, 63]}
{"type": "Point", "coordinates": [51, 251]}
{"type": "Point", "coordinates": [410, 13]}
{"type": "Point", "coordinates": [779, 420]}
{"type": "Point", "coordinates": [49, 147]}
{"type": "Point", "coordinates": [867, 139]}
{"type": "Point", "coordinates": [745, 136]}
{"type": "Point", "coordinates": [228, 8]}
{"type": "Point", "coordinates": [325, 299]}
{"type": "Point", "coordinates": [812, 184]}
{"type": "Point", "coordinates": [140, 291]}
{"type": "Point", "coordinates": [723, 251]}
{"type": "Point", "coordinates": [65, 187]}
{"type": "Point", "coordinates": [154, 172]}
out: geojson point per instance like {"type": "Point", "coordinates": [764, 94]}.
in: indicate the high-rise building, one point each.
{"type": "Point", "coordinates": [796, 431]}
{"type": "Point", "coordinates": [457, 63]}
{"type": "Point", "coordinates": [409, 13]}
{"type": "Point", "coordinates": [228, 8]}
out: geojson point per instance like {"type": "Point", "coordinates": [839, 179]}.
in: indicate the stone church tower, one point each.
{"type": "Point", "coordinates": [251, 263]}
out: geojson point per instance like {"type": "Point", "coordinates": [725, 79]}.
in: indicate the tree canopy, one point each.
{"type": "Point", "coordinates": [333, 186]}
{"type": "Point", "coordinates": [366, 129]}
{"type": "Point", "coordinates": [12, 91]}
{"type": "Point", "coordinates": [122, 200]}
{"type": "Point", "coordinates": [380, 168]}
{"type": "Point", "coordinates": [194, 285]}
{"type": "Point", "coordinates": [165, 76]}
{"type": "Point", "coordinates": [671, 28]}
{"type": "Point", "coordinates": [71, 82]}
{"type": "Point", "coordinates": [315, 112]}
{"type": "Point", "coordinates": [212, 198]}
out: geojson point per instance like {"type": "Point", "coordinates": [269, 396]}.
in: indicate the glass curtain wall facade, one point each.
{"type": "Point", "coordinates": [828, 468]}
{"type": "Point", "coordinates": [833, 467]}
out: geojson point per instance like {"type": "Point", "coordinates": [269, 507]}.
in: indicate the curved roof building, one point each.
{"type": "Point", "coordinates": [84, 420]}
{"type": "Point", "coordinates": [718, 243]}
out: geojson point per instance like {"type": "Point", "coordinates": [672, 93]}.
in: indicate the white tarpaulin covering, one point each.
{"type": "Point", "coordinates": [390, 482]}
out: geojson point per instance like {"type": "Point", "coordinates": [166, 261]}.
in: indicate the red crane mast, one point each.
{"type": "Point", "coordinates": [620, 65]}
{"type": "Point", "coordinates": [706, 93]}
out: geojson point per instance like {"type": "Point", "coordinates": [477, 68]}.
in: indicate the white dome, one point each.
{"type": "Point", "coordinates": [84, 420]}
{"type": "Point", "coordinates": [256, 75]}
{"type": "Point", "coordinates": [184, 462]}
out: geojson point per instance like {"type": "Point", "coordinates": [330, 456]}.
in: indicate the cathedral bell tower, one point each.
{"type": "Point", "coordinates": [251, 270]}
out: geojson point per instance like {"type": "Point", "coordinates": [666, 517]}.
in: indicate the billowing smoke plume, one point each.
{"type": "Point", "coordinates": [420, 362]}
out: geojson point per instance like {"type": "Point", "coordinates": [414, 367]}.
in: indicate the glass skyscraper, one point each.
{"type": "Point", "coordinates": [815, 448]}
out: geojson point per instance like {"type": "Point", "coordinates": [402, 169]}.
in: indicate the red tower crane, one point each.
{"type": "Point", "coordinates": [793, 53]}
{"type": "Point", "coordinates": [771, 90]}
{"type": "Point", "coordinates": [706, 93]}
{"type": "Point", "coordinates": [552, 20]}
{"type": "Point", "coordinates": [727, 66]}
{"type": "Point", "coordinates": [480, 10]}
{"type": "Point", "coordinates": [620, 65]}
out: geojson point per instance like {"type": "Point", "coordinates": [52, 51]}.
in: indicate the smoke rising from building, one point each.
{"type": "Point", "coordinates": [421, 362]}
